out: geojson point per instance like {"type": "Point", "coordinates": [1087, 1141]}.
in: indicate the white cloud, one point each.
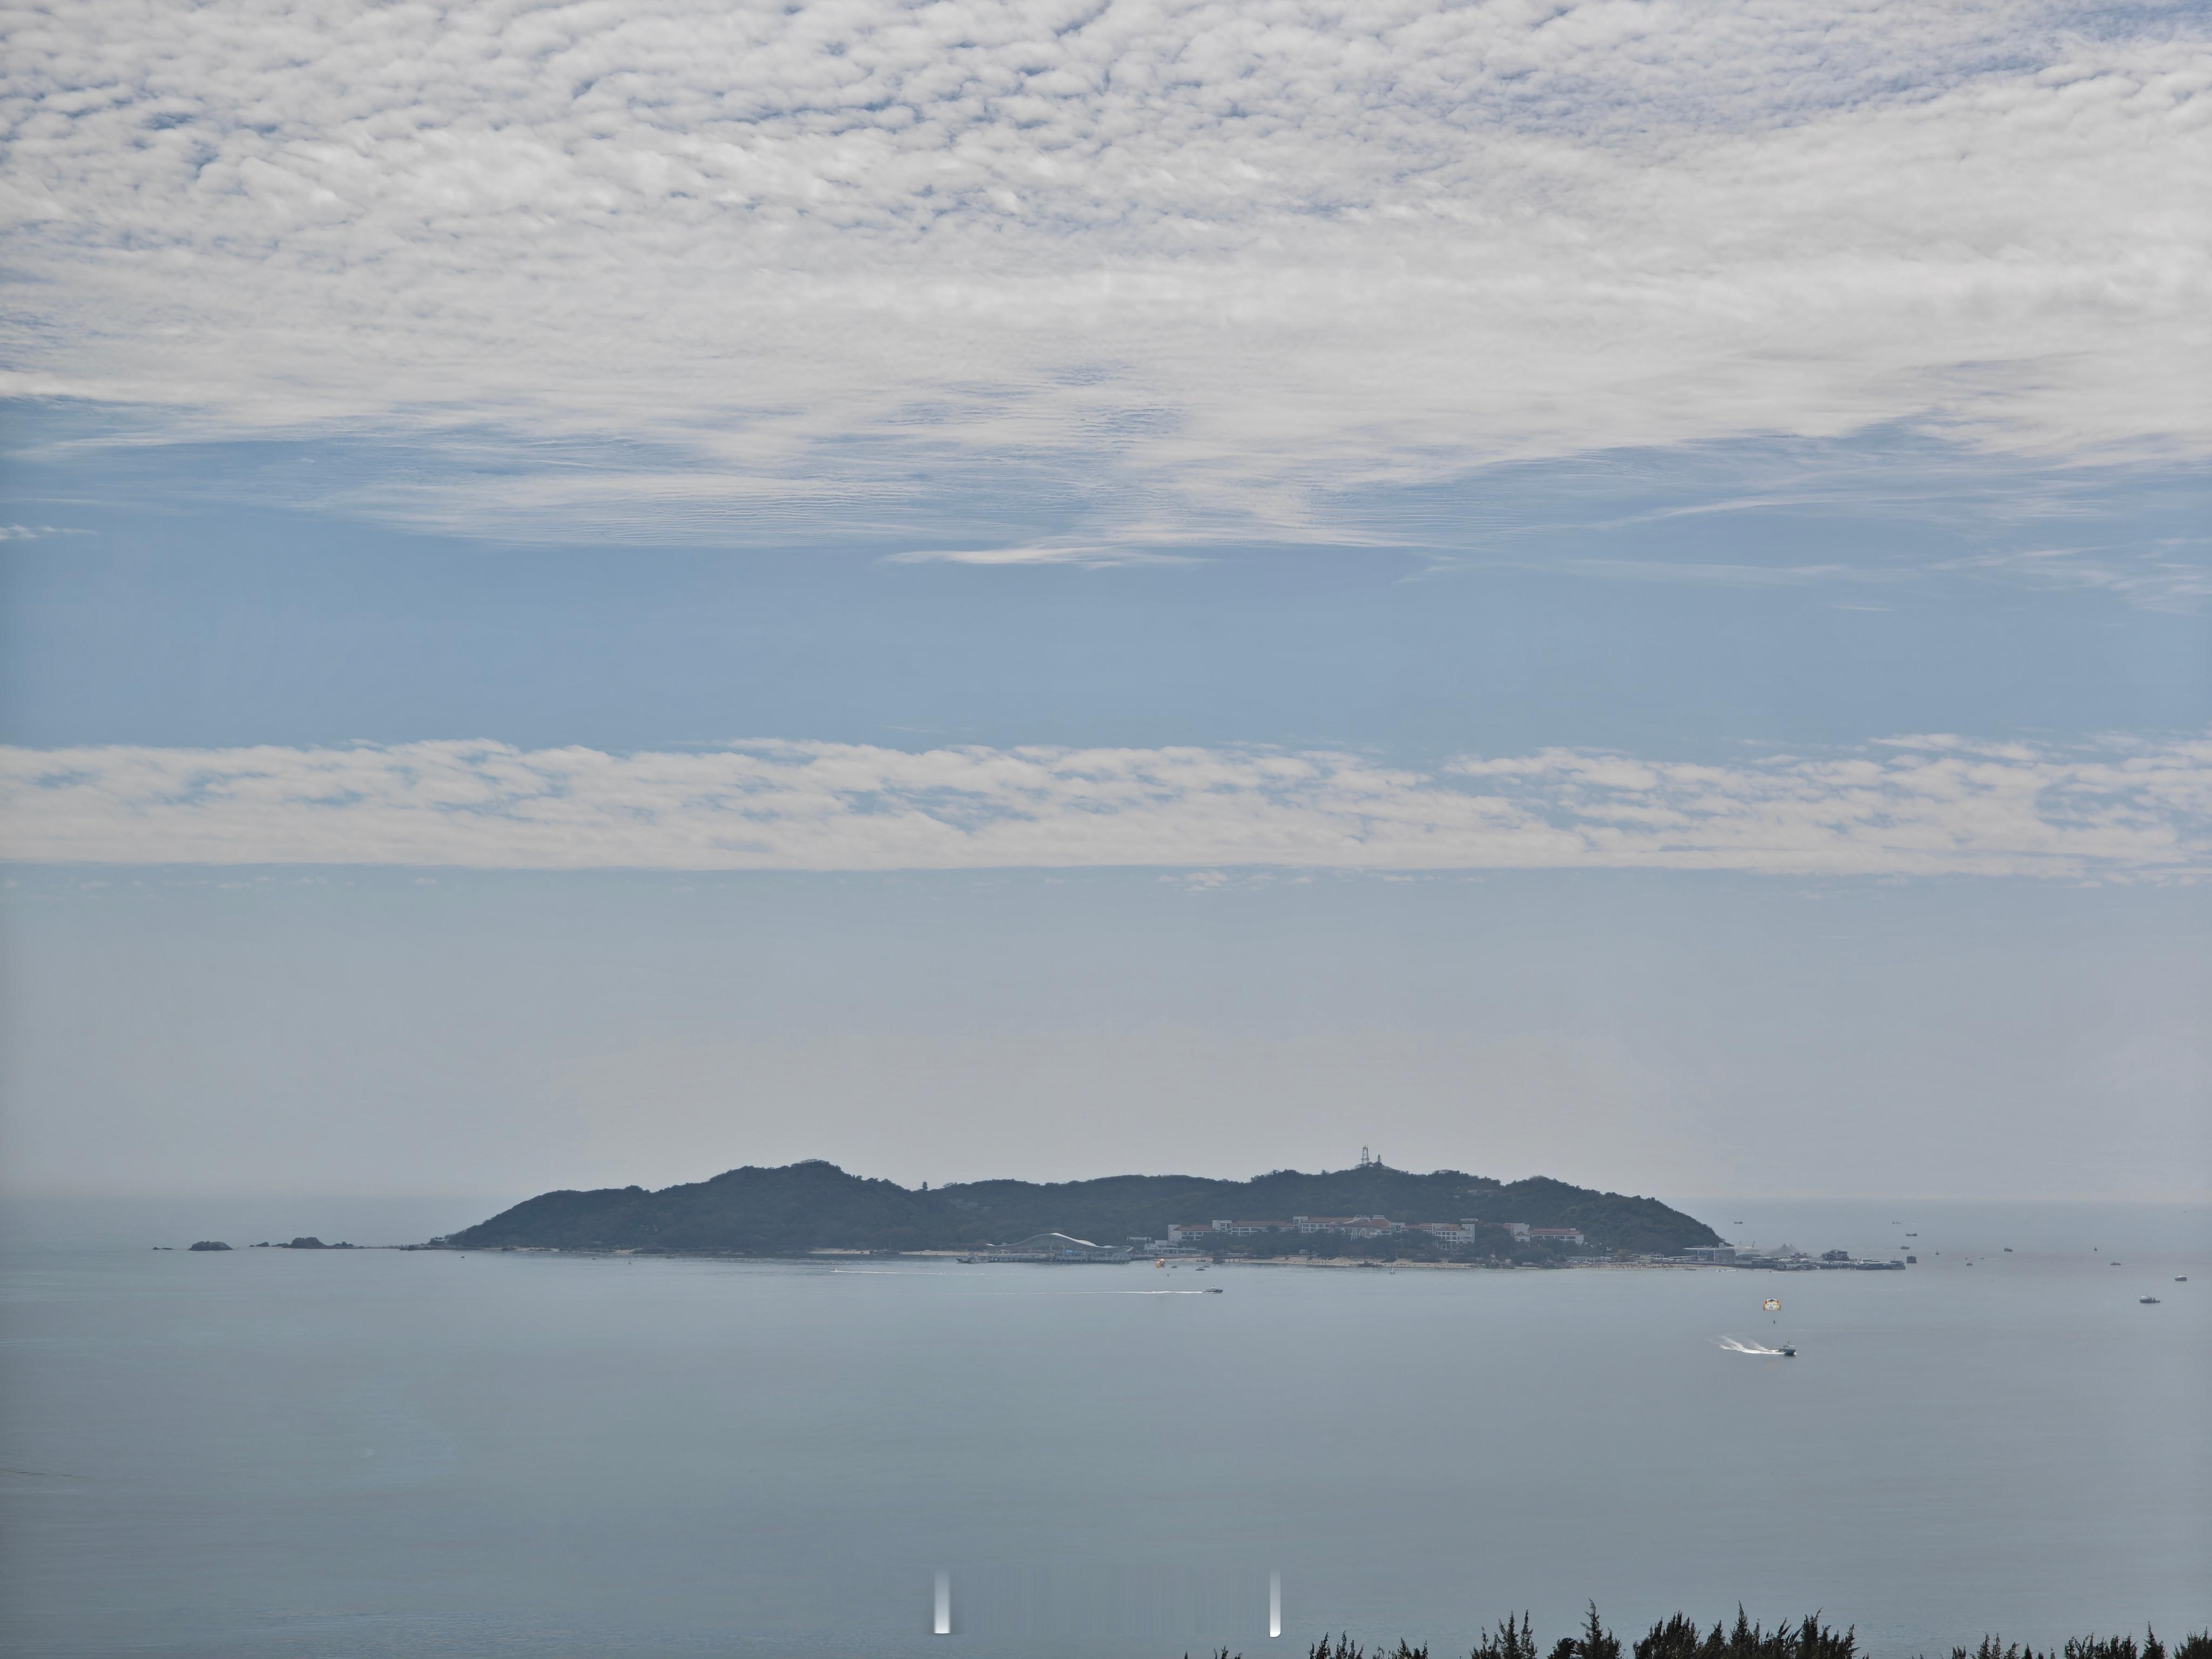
{"type": "Point", "coordinates": [32, 532]}
{"type": "Point", "coordinates": [1193, 264]}
{"type": "Point", "coordinates": [1909, 806]}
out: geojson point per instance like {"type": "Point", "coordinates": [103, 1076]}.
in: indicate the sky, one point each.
{"type": "Point", "coordinates": [593, 594]}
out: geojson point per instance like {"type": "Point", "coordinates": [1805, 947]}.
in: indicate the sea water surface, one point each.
{"type": "Point", "coordinates": [375, 1452]}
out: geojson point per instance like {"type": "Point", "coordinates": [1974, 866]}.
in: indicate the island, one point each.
{"type": "Point", "coordinates": [1370, 1212]}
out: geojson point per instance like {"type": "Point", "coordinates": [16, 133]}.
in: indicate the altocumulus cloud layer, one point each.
{"type": "Point", "coordinates": [1192, 266]}
{"type": "Point", "coordinates": [1918, 806]}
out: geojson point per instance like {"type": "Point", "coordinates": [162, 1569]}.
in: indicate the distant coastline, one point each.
{"type": "Point", "coordinates": [1371, 1213]}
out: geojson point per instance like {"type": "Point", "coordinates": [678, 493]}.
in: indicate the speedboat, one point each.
{"type": "Point", "coordinates": [1789, 1351]}
{"type": "Point", "coordinates": [2148, 1301]}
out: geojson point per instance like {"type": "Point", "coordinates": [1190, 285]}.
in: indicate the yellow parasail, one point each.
{"type": "Point", "coordinates": [1774, 1304]}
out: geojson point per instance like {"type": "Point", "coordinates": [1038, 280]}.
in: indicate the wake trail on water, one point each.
{"type": "Point", "coordinates": [1734, 1347]}
{"type": "Point", "coordinates": [908, 1272]}
{"type": "Point", "coordinates": [1102, 1293]}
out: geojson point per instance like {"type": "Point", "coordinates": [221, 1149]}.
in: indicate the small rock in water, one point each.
{"type": "Point", "coordinates": [306, 1244]}
{"type": "Point", "coordinates": [211, 1244]}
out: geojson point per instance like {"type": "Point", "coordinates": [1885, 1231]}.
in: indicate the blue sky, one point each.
{"type": "Point", "coordinates": [1647, 611]}
{"type": "Point", "coordinates": [1726, 476]}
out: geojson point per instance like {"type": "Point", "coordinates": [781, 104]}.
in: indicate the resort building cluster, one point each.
{"type": "Point", "coordinates": [1197, 1238]}
{"type": "Point", "coordinates": [1188, 1234]}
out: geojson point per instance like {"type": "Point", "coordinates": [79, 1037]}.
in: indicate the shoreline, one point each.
{"type": "Point", "coordinates": [1330, 1263]}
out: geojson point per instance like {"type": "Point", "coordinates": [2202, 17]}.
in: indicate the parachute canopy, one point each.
{"type": "Point", "coordinates": [1774, 1304]}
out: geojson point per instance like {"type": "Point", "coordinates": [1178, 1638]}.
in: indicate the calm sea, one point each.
{"type": "Point", "coordinates": [369, 1453]}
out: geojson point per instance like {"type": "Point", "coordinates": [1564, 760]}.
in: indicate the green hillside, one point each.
{"type": "Point", "coordinates": [818, 1205]}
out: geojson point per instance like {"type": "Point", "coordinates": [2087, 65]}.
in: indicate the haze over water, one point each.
{"type": "Point", "coordinates": [374, 1453]}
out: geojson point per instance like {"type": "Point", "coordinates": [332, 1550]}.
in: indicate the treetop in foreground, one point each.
{"type": "Point", "coordinates": [1681, 1638]}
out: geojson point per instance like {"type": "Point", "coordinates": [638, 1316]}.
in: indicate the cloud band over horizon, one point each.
{"type": "Point", "coordinates": [2120, 810]}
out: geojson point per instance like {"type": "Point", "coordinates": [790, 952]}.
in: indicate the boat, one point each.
{"type": "Point", "coordinates": [968, 1260]}
{"type": "Point", "coordinates": [2148, 1301]}
{"type": "Point", "coordinates": [1789, 1351]}
{"type": "Point", "coordinates": [2181, 1278]}
{"type": "Point", "coordinates": [1214, 1290]}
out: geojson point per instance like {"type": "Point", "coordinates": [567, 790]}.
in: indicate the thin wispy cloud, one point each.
{"type": "Point", "coordinates": [2165, 576]}
{"type": "Point", "coordinates": [1048, 552]}
{"type": "Point", "coordinates": [818, 264]}
{"type": "Point", "coordinates": [1914, 806]}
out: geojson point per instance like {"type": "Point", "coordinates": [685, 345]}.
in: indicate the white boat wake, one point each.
{"type": "Point", "coordinates": [1734, 1347]}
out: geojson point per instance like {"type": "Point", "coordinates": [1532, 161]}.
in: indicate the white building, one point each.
{"type": "Point", "coordinates": [1359, 1226]}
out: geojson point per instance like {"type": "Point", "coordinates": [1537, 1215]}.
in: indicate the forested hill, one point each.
{"type": "Point", "coordinates": [816, 1205]}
